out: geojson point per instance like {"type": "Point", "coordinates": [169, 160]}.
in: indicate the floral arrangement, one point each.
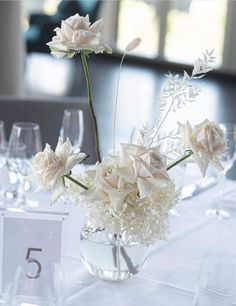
{"type": "Point", "coordinates": [129, 192]}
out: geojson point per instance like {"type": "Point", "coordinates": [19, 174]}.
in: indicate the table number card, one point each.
{"type": "Point", "coordinates": [34, 241]}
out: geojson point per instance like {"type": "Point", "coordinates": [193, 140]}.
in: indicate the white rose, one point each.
{"type": "Point", "coordinates": [128, 151]}
{"type": "Point", "coordinates": [151, 172]}
{"type": "Point", "coordinates": [145, 166]}
{"type": "Point", "coordinates": [108, 186]}
{"type": "Point", "coordinates": [150, 164]}
{"type": "Point", "coordinates": [207, 142]}
{"type": "Point", "coordinates": [106, 173]}
{"type": "Point", "coordinates": [76, 34]}
{"type": "Point", "coordinates": [50, 166]}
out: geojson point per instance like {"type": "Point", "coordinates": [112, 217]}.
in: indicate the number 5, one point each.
{"type": "Point", "coordinates": [35, 261]}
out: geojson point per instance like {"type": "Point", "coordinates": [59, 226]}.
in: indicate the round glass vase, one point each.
{"type": "Point", "coordinates": [109, 256]}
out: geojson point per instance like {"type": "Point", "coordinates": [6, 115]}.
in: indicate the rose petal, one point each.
{"type": "Point", "coordinates": [63, 149]}
{"type": "Point", "coordinates": [96, 26]}
{"type": "Point", "coordinates": [73, 160]}
{"type": "Point", "coordinates": [58, 54]}
{"type": "Point", "coordinates": [57, 191]}
{"type": "Point", "coordinates": [127, 173]}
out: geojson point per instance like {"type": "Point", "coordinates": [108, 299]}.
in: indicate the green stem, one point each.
{"type": "Point", "coordinates": [179, 160]}
{"type": "Point", "coordinates": [75, 181]}
{"type": "Point", "coordinates": [90, 102]}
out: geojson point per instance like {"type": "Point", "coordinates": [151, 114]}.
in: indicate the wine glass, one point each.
{"type": "Point", "coordinates": [23, 135]}
{"type": "Point", "coordinates": [3, 152]}
{"type": "Point", "coordinates": [73, 127]}
{"type": "Point", "coordinates": [227, 160]}
{"type": "Point", "coordinates": [3, 145]}
{"type": "Point", "coordinates": [2, 133]}
{"type": "Point", "coordinates": [27, 133]}
{"type": "Point", "coordinates": [3, 157]}
{"type": "Point", "coordinates": [229, 154]}
{"type": "Point", "coordinates": [15, 154]}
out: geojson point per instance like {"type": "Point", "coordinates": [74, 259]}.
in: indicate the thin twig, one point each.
{"type": "Point", "coordinates": [115, 108]}
{"type": "Point", "coordinates": [167, 113]}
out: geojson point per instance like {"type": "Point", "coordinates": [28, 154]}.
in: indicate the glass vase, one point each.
{"type": "Point", "coordinates": [109, 256]}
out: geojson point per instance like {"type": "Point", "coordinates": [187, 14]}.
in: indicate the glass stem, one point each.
{"type": "Point", "coordinates": [90, 102]}
{"type": "Point", "coordinates": [221, 191]}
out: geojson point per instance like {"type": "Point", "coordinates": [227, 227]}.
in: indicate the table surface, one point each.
{"type": "Point", "coordinates": [171, 274]}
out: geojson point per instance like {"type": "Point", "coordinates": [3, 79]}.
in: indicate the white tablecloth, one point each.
{"type": "Point", "coordinates": [171, 274]}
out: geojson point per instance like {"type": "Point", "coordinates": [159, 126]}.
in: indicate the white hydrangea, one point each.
{"type": "Point", "coordinates": [143, 220]}
{"type": "Point", "coordinates": [130, 195]}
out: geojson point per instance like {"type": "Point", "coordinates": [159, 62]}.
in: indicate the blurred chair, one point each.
{"type": "Point", "coordinates": [48, 113]}
{"type": "Point", "coordinates": [41, 26]}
